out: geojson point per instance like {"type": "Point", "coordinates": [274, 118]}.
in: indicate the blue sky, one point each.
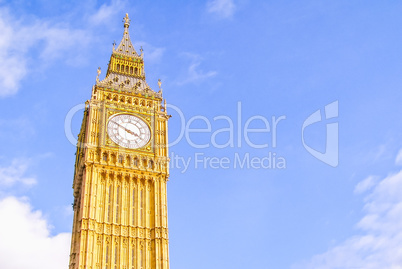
{"type": "Point", "coordinates": [288, 58]}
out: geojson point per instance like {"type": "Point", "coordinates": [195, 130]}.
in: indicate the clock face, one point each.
{"type": "Point", "coordinates": [128, 131]}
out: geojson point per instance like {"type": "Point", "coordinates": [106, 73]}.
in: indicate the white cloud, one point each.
{"type": "Point", "coordinates": [18, 38]}
{"type": "Point", "coordinates": [222, 8]}
{"type": "Point", "coordinates": [31, 44]}
{"type": "Point", "coordinates": [106, 13]}
{"type": "Point", "coordinates": [365, 184]}
{"type": "Point", "coordinates": [15, 173]}
{"type": "Point", "coordinates": [12, 64]}
{"type": "Point", "coordinates": [378, 245]}
{"type": "Point", "coordinates": [58, 40]}
{"type": "Point", "coordinates": [25, 238]}
{"type": "Point", "coordinates": [398, 160]}
{"type": "Point", "coordinates": [151, 54]}
{"type": "Point", "coordinates": [194, 74]}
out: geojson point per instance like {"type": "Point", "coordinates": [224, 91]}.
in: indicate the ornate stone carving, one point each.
{"type": "Point", "coordinates": [108, 229]}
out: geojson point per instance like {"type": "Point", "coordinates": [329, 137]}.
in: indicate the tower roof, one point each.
{"type": "Point", "coordinates": [126, 47]}
{"type": "Point", "coordinates": [126, 68]}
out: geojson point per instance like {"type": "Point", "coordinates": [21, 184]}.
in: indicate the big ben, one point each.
{"type": "Point", "coordinates": [121, 170]}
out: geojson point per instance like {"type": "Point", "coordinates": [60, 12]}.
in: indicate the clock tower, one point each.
{"type": "Point", "coordinates": [121, 170]}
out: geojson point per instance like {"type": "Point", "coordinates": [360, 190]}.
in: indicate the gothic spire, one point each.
{"type": "Point", "coordinates": [126, 68]}
{"type": "Point", "coordinates": [126, 47]}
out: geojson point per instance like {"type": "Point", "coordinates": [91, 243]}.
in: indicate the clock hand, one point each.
{"type": "Point", "coordinates": [127, 130]}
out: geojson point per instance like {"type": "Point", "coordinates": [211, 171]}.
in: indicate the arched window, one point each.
{"type": "Point", "coordinates": [131, 70]}
{"type": "Point", "coordinates": [107, 255]}
{"type": "Point", "coordinates": [133, 257]}
{"type": "Point", "coordinates": [116, 256]}
{"type": "Point", "coordinates": [118, 67]}
{"type": "Point", "coordinates": [126, 68]}
{"type": "Point", "coordinates": [141, 206]}
{"type": "Point", "coordinates": [117, 203]}
{"type": "Point", "coordinates": [136, 71]}
{"type": "Point", "coordinates": [133, 208]}
{"type": "Point", "coordinates": [109, 209]}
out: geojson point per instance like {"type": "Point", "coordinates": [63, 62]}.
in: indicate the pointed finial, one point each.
{"type": "Point", "coordinates": [160, 85]}
{"type": "Point", "coordinates": [126, 21]}
{"type": "Point", "coordinates": [142, 51]}
{"type": "Point", "coordinates": [114, 44]}
{"type": "Point", "coordinates": [99, 72]}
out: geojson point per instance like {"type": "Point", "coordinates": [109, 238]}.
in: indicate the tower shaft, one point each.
{"type": "Point", "coordinates": [120, 188]}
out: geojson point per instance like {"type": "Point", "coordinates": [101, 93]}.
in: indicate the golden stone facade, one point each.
{"type": "Point", "coordinates": [121, 171]}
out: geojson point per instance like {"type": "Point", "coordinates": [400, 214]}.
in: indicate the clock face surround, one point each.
{"type": "Point", "coordinates": [128, 131]}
